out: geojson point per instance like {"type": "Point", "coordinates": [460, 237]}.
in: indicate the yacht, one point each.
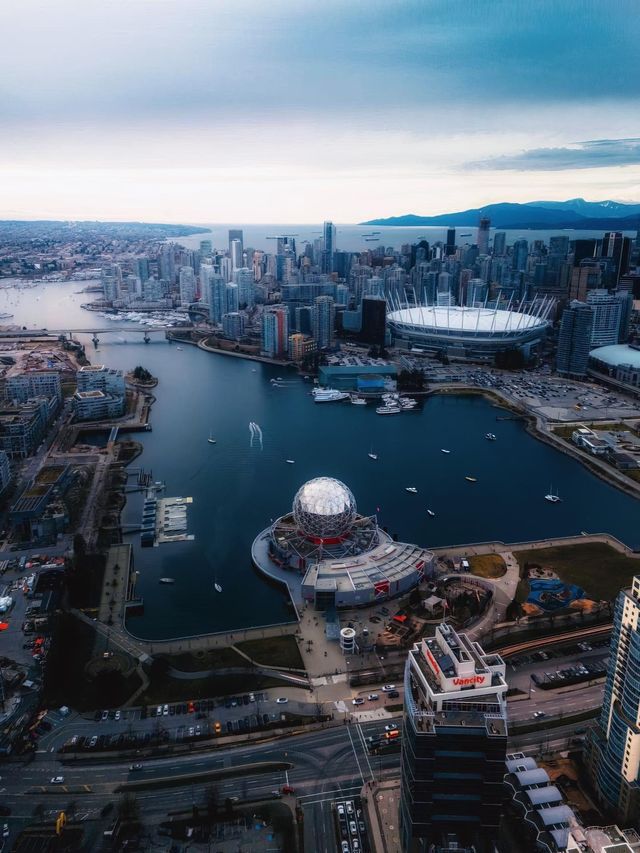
{"type": "Point", "coordinates": [211, 439]}
{"type": "Point", "coordinates": [442, 450]}
{"type": "Point", "coordinates": [328, 395]}
{"type": "Point", "coordinates": [290, 461]}
{"type": "Point", "coordinates": [358, 401]}
{"type": "Point", "coordinates": [388, 409]}
{"type": "Point", "coordinates": [167, 580]}
{"type": "Point", "coordinates": [471, 479]}
{"type": "Point", "coordinates": [490, 436]}
{"type": "Point", "coordinates": [217, 586]}
{"type": "Point", "coordinates": [551, 497]}
{"type": "Point", "coordinates": [408, 402]}
{"type": "Point", "coordinates": [431, 513]}
{"type": "Point", "coordinates": [411, 489]}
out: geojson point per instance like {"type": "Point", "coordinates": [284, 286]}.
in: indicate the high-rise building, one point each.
{"type": "Point", "coordinates": [236, 255]}
{"type": "Point", "coordinates": [617, 247]}
{"type": "Point", "coordinates": [215, 293]}
{"type": "Point", "coordinates": [329, 239]}
{"type": "Point", "coordinates": [142, 268]}
{"type": "Point", "coordinates": [499, 243]}
{"type": "Point", "coordinates": [275, 331]}
{"type": "Point", "coordinates": [454, 741]}
{"type": "Point", "coordinates": [586, 277]}
{"type": "Point", "coordinates": [520, 255]}
{"type": "Point", "coordinates": [324, 321]}
{"type": "Point", "coordinates": [5, 471]}
{"type": "Point", "coordinates": [483, 235]}
{"type": "Point", "coordinates": [236, 234]}
{"type": "Point", "coordinates": [233, 325]}
{"type": "Point", "coordinates": [477, 290]}
{"type": "Point", "coordinates": [574, 340]}
{"type": "Point", "coordinates": [613, 748]}
{"type": "Point", "coordinates": [304, 319]}
{"type": "Point", "coordinates": [607, 314]}
{"type": "Point", "coordinates": [374, 320]}
{"type": "Point", "coordinates": [232, 297]}
{"type": "Point", "coordinates": [244, 278]}
{"type": "Point", "coordinates": [301, 346]}
{"type": "Point", "coordinates": [111, 278]}
{"type": "Point", "coordinates": [450, 245]}
{"type": "Point", "coordinates": [187, 286]}
{"type": "Point", "coordinates": [206, 248]}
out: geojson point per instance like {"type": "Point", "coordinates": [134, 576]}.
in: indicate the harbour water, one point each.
{"type": "Point", "coordinates": [239, 486]}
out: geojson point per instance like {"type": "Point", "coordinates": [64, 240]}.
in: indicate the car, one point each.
{"type": "Point", "coordinates": [349, 807]}
{"type": "Point", "coordinates": [93, 741]}
{"type": "Point", "coordinates": [57, 780]}
{"type": "Point", "coordinates": [391, 728]}
{"type": "Point", "coordinates": [357, 701]}
{"type": "Point", "coordinates": [190, 708]}
{"type": "Point", "coordinates": [105, 716]}
{"type": "Point", "coordinates": [217, 727]}
{"type": "Point", "coordinates": [288, 789]}
{"type": "Point", "coordinates": [252, 697]}
{"type": "Point", "coordinates": [5, 830]}
{"type": "Point", "coordinates": [172, 709]}
{"type": "Point", "coordinates": [192, 731]}
{"type": "Point", "coordinates": [387, 688]}
{"type": "Point", "coordinates": [372, 697]}
{"type": "Point", "coordinates": [345, 847]}
{"type": "Point", "coordinates": [538, 715]}
{"type": "Point", "coordinates": [353, 829]}
{"type": "Point", "coordinates": [159, 711]}
{"type": "Point", "coordinates": [117, 715]}
{"type": "Point", "coordinates": [165, 711]}
{"type": "Point", "coordinates": [281, 700]}
{"type": "Point", "coordinates": [134, 767]}
{"type": "Point", "coordinates": [276, 795]}
{"type": "Point", "coordinates": [355, 845]}
{"type": "Point", "coordinates": [198, 731]}
{"type": "Point", "coordinates": [393, 694]}
{"type": "Point", "coordinates": [340, 809]}
{"type": "Point", "coordinates": [227, 702]}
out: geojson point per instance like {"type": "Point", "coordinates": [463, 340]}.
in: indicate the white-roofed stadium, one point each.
{"type": "Point", "coordinates": [331, 556]}
{"type": "Point", "coordinates": [474, 333]}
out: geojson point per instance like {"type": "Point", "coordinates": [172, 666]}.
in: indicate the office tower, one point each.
{"type": "Point", "coordinates": [275, 331]}
{"type": "Point", "coordinates": [342, 264]}
{"type": "Point", "coordinates": [206, 248]}
{"type": "Point", "coordinates": [233, 325]}
{"type": "Point", "coordinates": [483, 235]}
{"type": "Point", "coordinates": [374, 286]}
{"type": "Point", "coordinates": [587, 276]}
{"type": "Point", "coordinates": [187, 286]}
{"type": "Point", "coordinates": [304, 319]}
{"type": "Point", "coordinates": [444, 283]}
{"type": "Point", "coordinates": [559, 245]}
{"type": "Point", "coordinates": [374, 320]}
{"type": "Point", "coordinates": [167, 263]}
{"type": "Point", "coordinates": [342, 295]}
{"type": "Point", "coordinates": [613, 747]}
{"type": "Point", "coordinates": [450, 245]}
{"type": "Point", "coordinates": [236, 255]}
{"type": "Point", "coordinates": [204, 274]}
{"type": "Point", "coordinates": [618, 248]}
{"type": "Point", "coordinates": [499, 243]}
{"type": "Point", "coordinates": [329, 240]}
{"type": "Point", "coordinates": [454, 741]}
{"type": "Point", "coordinates": [626, 309]}
{"type": "Point", "coordinates": [142, 268]}
{"type": "Point", "coordinates": [236, 234]}
{"type": "Point", "coordinates": [111, 278]}
{"type": "Point", "coordinates": [323, 321]}
{"type": "Point", "coordinates": [477, 290]}
{"type": "Point", "coordinates": [232, 297]}
{"type": "Point", "coordinates": [584, 250]}
{"type": "Point", "coordinates": [574, 340]}
{"type": "Point", "coordinates": [5, 470]}
{"type": "Point", "coordinates": [225, 268]}
{"type": "Point", "coordinates": [520, 255]}
{"type": "Point", "coordinates": [607, 314]}
{"type": "Point", "coordinates": [243, 277]}
{"type": "Point", "coordinates": [216, 297]}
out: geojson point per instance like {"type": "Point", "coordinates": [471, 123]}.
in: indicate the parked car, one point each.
{"type": "Point", "coordinates": [391, 728]}
{"type": "Point", "coordinates": [217, 727]}
{"type": "Point", "coordinates": [357, 701]}
{"type": "Point", "coordinates": [134, 767]}
{"type": "Point", "coordinates": [57, 780]}
{"type": "Point", "coordinates": [388, 688]}
{"type": "Point", "coordinates": [105, 716]}
{"type": "Point", "coordinates": [393, 694]}
{"type": "Point", "coordinates": [372, 697]}
{"type": "Point", "coordinates": [281, 700]}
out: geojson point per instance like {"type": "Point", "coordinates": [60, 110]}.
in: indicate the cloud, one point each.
{"type": "Point", "coordinates": [592, 154]}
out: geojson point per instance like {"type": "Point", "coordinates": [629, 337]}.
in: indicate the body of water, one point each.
{"type": "Point", "coordinates": [238, 488]}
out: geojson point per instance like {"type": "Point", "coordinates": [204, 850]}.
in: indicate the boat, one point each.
{"type": "Point", "coordinates": [471, 479]}
{"type": "Point", "coordinates": [5, 316]}
{"type": "Point", "coordinates": [552, 497]}
{"type": "Point", "coordinates": [431, 513]}
{"type": "Point", "coordinates": [411, 489]}
{"type": "Point", "coordinates": [358, 401]}
{"type": "Point", "coordinates": [328, 395]}
{"type": "Point", "coordinates": [211, 439]}
{"type": "Point", "coordinates": [490, 436]}
{"type": "Point", "coordinates": [167, 580]}
{"type": "Point", "coordinates": [217, 586]}
{"type": "Point", "coordinates": [388, 410]}
{"type": "Point", "coordinates": [442, 450]}
{"type": "Point", "coordinates": [290, 461]}
{"type": "Point", "coordinates": [372, 455]}
{"type": "Point", "coordinates": [179, 348]}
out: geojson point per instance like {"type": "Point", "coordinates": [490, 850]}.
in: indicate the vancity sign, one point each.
{"type": "Point", "coordinates": [457, 681]}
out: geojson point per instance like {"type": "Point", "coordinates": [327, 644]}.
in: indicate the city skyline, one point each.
{"type": "Point", "coordinates": [256, 113]}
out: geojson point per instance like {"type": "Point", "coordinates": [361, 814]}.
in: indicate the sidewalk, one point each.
{"type": "Point", "coordinates": [382, 804]}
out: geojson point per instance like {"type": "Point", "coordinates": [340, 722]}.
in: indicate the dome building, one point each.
{"type": "Point", "coordinates": [331, 556]}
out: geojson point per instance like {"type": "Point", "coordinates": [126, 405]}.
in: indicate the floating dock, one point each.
{"type": "Point", "coordinates": [171, 520]}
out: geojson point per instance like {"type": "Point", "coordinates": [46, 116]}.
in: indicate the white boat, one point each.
{"type": "Point", "coordinates": [552, 497]}
{"type": "Point", "coordinates": [328, 395]}
{"type": "Point", "coordinates": [442, 450]}
{"type": "Point", "coordinates": [431, 513]}
{"type": "Point", "coordinates": [179, 348]}
{"type": "Point", "coordinates": [167, 580]}
{"type": "Point", "coordinates": [211, 439]}
{"type": "Point", "coordinates": [490, 436]}
{"type": "Point", "coordinates": [372, 455]}
{"type": "Point", "coordinates": [411, 489]}
{"type": "Point", "coordinates": [388, 410]}
{"type": "Point", "coordinates": [217, 587]}
{"type": "Point", "coordinates": [471, 479]}
{"type": "Point", "coordinates": [358, 401]}
{"type": "Point", "coordinates": [290, 461]}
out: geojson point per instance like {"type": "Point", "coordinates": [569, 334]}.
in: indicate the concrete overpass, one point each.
{"type": "Point", "coordinates": [95, 331]}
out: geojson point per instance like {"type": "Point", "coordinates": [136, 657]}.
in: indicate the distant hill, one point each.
{"type": "Point", "coordinates": [575, 213]}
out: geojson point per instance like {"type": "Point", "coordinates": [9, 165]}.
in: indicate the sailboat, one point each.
{"type": "Point", "coordinates": [431, 513]}
{"type": "Point", "coordinates": [211, 439]}
{"type": "Point", "coordinates": [216, 585]}
{"type": "Point", "coordinates": [372, 455]}
{"type": "Point", "coordinates": [551, 497]}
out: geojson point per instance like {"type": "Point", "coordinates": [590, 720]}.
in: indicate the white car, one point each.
{"type": "Point", "coordinates": [57, 780]}
{"type": "Point", "coordinates": [117, 715]}
{"type": "Point", "coordinates": [372, 697]}
{"type": "Point", "coordinates": [391, 728]}
{"type": "Point", "coordinates": [165, 710]}
{"type": "Point", "coordinates": [388, 687]}
{"type": "Point", "coordinates": [281, 700]}
{"type": "Point", "coordinates": [357, 701]}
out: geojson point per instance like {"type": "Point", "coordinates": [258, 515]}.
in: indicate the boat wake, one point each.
{"type": "Point", "coordinates": [256, 434]}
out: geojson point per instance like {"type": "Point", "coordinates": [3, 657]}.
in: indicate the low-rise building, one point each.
{"type": "Point", "coordinates": [97, 405]}
{"type": "Point", "coordinates": [97, 377]}
{"type": "Point", "coordinates": [589, 440]}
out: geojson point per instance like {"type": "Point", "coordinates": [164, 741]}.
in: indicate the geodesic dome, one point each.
{"type": "Point", "coordinates": [324, 508]}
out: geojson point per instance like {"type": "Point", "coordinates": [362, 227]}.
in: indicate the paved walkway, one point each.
{"type": "Point", "coordinates": [382, 804]}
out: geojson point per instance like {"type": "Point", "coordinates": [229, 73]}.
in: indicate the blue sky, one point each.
{"type": "Point", "coordinates": [247, 110]}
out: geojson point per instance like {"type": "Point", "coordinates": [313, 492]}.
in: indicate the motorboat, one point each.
{"type": "Point", "coordinates": [552, 497]}
{"type": "Point", "coordinates": [328, 395]}
{"type": "Point", "coordinates": [471, 479]}
{"type": "Point", "coordinates": [179, 348]}
{"type": "Point", "coordinates": [431, 513]}
{"type": "Point", "coordinates": [373, 456]}
{"type": "Point", "coordinates": [290, 461]}
{"type": "Point", "coordinates": [442, 450]}
{"type": "Point", "coordinates": [167, 580]}
{"type": "Point", "coordinates": [490, 436]}
{"type": "Point", "coordinates": [411, 489]}
{"type": "Point", "coordinates": [388, 410]}
{"type": "Point", "coordinates": [217, 587]}
{"type": "Point", "coordinates": [211, 439]}
{"type": "Point", "coordinates": [358, 401]}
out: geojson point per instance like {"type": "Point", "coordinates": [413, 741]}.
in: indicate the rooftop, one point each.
{"type": "Point", "coordinates": [617, 354]}
{"type": "Point", "coordinates": [463, 319]}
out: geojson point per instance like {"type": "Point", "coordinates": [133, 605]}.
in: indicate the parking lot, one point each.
{"type": "Point", "coordinates": [350, 826]}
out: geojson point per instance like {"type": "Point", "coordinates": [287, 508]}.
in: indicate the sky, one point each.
{"type": "Point", "coordinates": [205, 111]}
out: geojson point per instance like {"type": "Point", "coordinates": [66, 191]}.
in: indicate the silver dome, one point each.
{"type": "Point", "coordinates": [324, 508]}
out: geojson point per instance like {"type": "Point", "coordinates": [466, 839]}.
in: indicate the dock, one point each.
{"type": "Point", "coordinates": [171, 520]}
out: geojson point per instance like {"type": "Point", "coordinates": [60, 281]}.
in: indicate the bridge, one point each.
{"type": "Point", "coordinates": [146, 331]}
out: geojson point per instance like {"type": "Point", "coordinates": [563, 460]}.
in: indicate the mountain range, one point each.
{"type": "Point", "coordinates": [574, 213]}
